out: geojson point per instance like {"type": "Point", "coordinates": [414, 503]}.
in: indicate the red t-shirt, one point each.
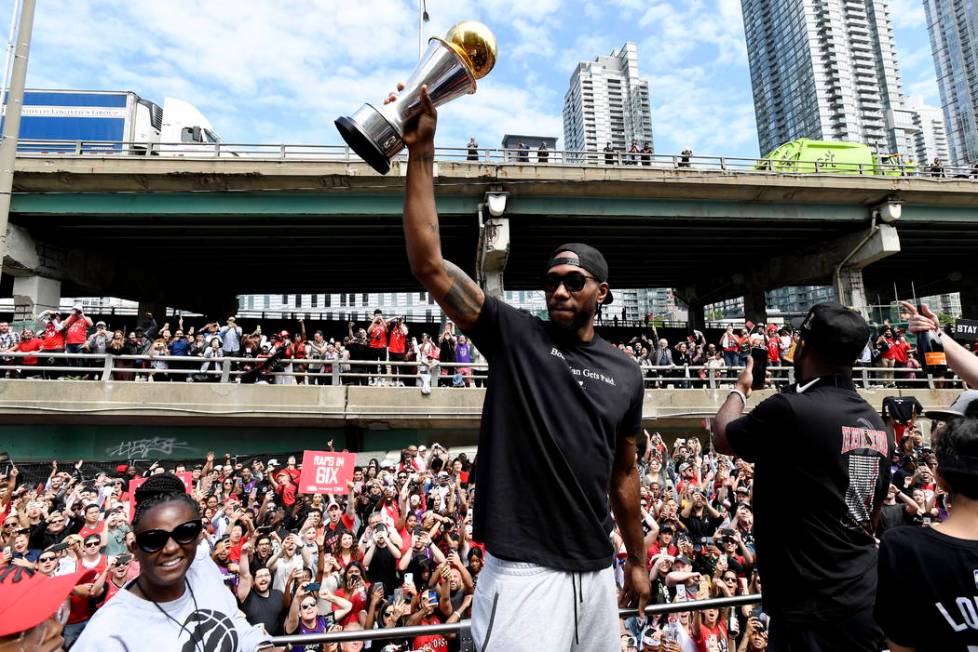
{"type": "Point", "coordinates": [713, 638]}
{"type": "Point", "coordinates": [656, 549]}
{"type": "Point", "coordinates": [81, 605]}
{"type": "Point", "coordinates": [773, 350]}
{"type": "Point", "coordinates": [378, 336]}
{"type": "Point", "coordinates": [901, 352]}
{"type": "Point", "coordinates": [436, 642]}
{"type": "Point", "coordinates": [86, 531]}
{"type": "Point", "coordinates": [27, 347]}
{"type": "Point", "coordinates": [77, 330]}
{"type": "Point", "coordinates": [359, 602]}
{"type": "Point", "coordinates": [398, 341]}
{"type": "Point", "coordinates": [52, 339]}
{"type": "Point", "coordinates": [110, 591]}
{"type": "Point", "coordinates": [890, 352]}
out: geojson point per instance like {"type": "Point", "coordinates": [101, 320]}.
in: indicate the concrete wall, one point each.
{"type": "Point", "coordinates": [88, 402]}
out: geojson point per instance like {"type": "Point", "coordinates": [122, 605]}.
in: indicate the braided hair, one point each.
{"type": "Point", "coordinates": [158, 489]}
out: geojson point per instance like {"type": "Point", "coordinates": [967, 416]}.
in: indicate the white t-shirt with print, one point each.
{"type": "Point", "coordinates": [129, 623]}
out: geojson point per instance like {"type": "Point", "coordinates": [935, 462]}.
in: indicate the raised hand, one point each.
{"type": "Point", "coordinates": [419, 131]}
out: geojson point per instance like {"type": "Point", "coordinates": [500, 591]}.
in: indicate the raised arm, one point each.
{"type": "Point", "coordinates": [961, 361]}
{"type": "Point", "coordinates": [455, 292]}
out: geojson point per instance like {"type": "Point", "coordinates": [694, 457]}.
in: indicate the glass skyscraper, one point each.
{"type": "Point", "coordinates": [826, 70]}
{"type": "Point", "coordinates": [953, 27]}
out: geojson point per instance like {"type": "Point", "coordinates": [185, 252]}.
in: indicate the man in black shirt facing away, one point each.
{"type": "Point", "coordinates": [558, 438]}
{"type": "Point", "coordinates": [821, 440]}
{"type": "Point", "coordinates": [928, 577]}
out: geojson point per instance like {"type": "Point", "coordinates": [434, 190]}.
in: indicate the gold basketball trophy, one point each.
{"type": "Point", "coordinates": [449, 68]}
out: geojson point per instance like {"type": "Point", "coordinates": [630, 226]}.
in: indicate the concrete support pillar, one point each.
{"type": "Point", "coordinates": [755, 305]}
{"type": "Point", "coordinates": [696, 315]}
{"type": "Point", "coordinates": [850, 291]}
{"type": "Point", "coordinates": [493, 254]}
{"type": "Point", "coordinates": [220, 308]}
{"type": "Point", "coordinates": [969, 301]}
{"type": "Point", "coordinates": [33, 295]}
{"type": "Point", "coordinates": [695, 308]}
{"type": "Point", "coordinates": [155, 306]}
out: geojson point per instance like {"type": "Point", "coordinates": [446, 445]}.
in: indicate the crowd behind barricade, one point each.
{"type": "Point", "coordinates": [386, 352]}
{"type": "Point", "coordinates": [397, 548]}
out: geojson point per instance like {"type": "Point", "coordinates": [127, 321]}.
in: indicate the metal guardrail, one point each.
{"type": "Point", "coordinates": [485, 155]}
{"type": "Point", "coordinates": [106, 367]}
{"type": "Point", "coordinates": [455, 628]}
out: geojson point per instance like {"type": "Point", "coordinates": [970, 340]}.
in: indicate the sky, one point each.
{"type": "Point", "coordinates": [274, 72]}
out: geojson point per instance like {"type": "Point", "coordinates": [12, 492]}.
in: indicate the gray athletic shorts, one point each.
{"type": "Point", "coordinates": [525, 607]}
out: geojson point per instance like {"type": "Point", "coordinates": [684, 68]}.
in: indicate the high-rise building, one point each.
{"type": "Point", "coordinates": [930, 139]}
{"type": "Point", "coordinates": [607, 103]}
{"type": "Point", "coordinates": [826, 70]}
{"type": "Point", "coordinates": [953, 27]}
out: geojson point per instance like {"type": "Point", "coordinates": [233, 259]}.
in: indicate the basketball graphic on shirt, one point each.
{"type": "Point", "coordinates": [209, 631]}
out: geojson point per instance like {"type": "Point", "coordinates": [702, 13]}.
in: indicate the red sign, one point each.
{"type": "Point", "coordinates": [188, 483]}
{"type": "Point", "coordinates": [324, 472]}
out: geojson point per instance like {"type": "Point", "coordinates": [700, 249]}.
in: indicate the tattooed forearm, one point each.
{"type": "Point", "coordinates": [464, 298]}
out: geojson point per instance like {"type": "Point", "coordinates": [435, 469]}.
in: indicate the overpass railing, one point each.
{"type": "Point", "coordinates": [263, 370]}
{"type": "Point", "coordinates": [489, 155]}
{"type": "Point", "coordinates": [462, 627]}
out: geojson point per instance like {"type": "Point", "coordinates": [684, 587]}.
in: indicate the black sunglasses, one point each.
{"type": "Point", "coordinates": [183, 534]}
{"type": "Point", "coordinates": [43, 560]}
{"type": "Point", "coordinates": [573, 281]}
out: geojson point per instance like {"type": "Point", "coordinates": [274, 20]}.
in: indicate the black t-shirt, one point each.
{"type": "Point", "coordinates": [821, 457]}
{"type": "Point", "coordinates": [268, 611]}
{"type": "Point", "coordinates": [553, 413]}
{"type": "Point", "coordinates": [901, 409]}
{"type": "Point", "coordinates": [383, 568]}
{"type": "Point", "coordinates": [927, 597]}
{"type": "Point", "coordinates": [892, 516]}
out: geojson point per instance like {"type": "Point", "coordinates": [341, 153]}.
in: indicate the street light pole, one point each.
{"type": "Point", "coordinates": [422, 19]}
{"type": "Point", "coordinates": [11, 123]}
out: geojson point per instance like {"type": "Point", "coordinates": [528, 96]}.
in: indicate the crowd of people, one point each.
{"type": "Point", "coordinates": [397, 549]}
{"type": "Point", "coordinates": [443, 358]}
{"type": "Point", "coordinates": [363, 357]}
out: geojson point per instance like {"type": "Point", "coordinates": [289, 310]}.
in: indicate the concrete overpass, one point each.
{"type": "Point", "coordinates": [196, 232]}
{"type": "Point", "coordinates": [120, 420]}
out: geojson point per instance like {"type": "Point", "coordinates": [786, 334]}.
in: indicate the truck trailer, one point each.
{"type": "Point", "coordinates": [107, 122]}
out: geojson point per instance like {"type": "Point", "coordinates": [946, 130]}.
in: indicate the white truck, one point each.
{"type": "Point", "coordinates": [106, 122]}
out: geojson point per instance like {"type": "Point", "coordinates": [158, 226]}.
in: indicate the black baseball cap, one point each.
{"type": "Point", "coordinates": [837, 333]}
{"type": "Point", "coordinates": [588, 258]}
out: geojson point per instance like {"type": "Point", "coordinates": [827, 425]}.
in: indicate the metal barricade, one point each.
{"type": "Point", "coordinates": [463, 626]}
{"type": "Point", "coordinates": [686, 164]}
{"type": "Point", "coordinates": [148, 368]}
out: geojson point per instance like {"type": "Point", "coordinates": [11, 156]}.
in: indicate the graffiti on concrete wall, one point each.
{"type": "Point", "coordinates": [149, 447]}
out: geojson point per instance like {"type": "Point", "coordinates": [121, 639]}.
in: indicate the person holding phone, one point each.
{"type": "Point", "coordinates": [820, 437]}
{"type": "Point", "coordinates": [113, 578]}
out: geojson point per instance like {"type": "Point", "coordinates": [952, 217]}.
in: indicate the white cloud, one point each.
{"type": "Point", "coordinates": [692, 110]}
{"type": "Point", "coordinates": [907, 13]}
{"type": "Point", "coordinates": [918, 57]}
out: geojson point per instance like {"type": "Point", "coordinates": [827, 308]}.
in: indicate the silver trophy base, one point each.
{"type": "Point", "coordinates": [371, 136]}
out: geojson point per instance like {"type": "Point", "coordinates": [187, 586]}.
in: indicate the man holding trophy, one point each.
{"type": "Point", "coordinates": [560, 420]}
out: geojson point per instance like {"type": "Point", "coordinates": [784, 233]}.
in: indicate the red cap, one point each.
{"type": "Point", "coordinates": [27, 600]}
{"type": "Point", "coordinates": [122, 468]}
{"type": "Point", "coordinates": [284, 334]}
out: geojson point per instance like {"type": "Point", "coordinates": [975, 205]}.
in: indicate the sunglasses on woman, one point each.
{"type": "Point", "coordinates": [573, 281]}
{"type": "Point", "coordinates": [183, 534]}
{"type": "Point", "coordinates": [309, 605]}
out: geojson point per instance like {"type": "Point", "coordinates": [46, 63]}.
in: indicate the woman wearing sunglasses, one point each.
{"type": "Point", "coordinates": [179, 601]}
